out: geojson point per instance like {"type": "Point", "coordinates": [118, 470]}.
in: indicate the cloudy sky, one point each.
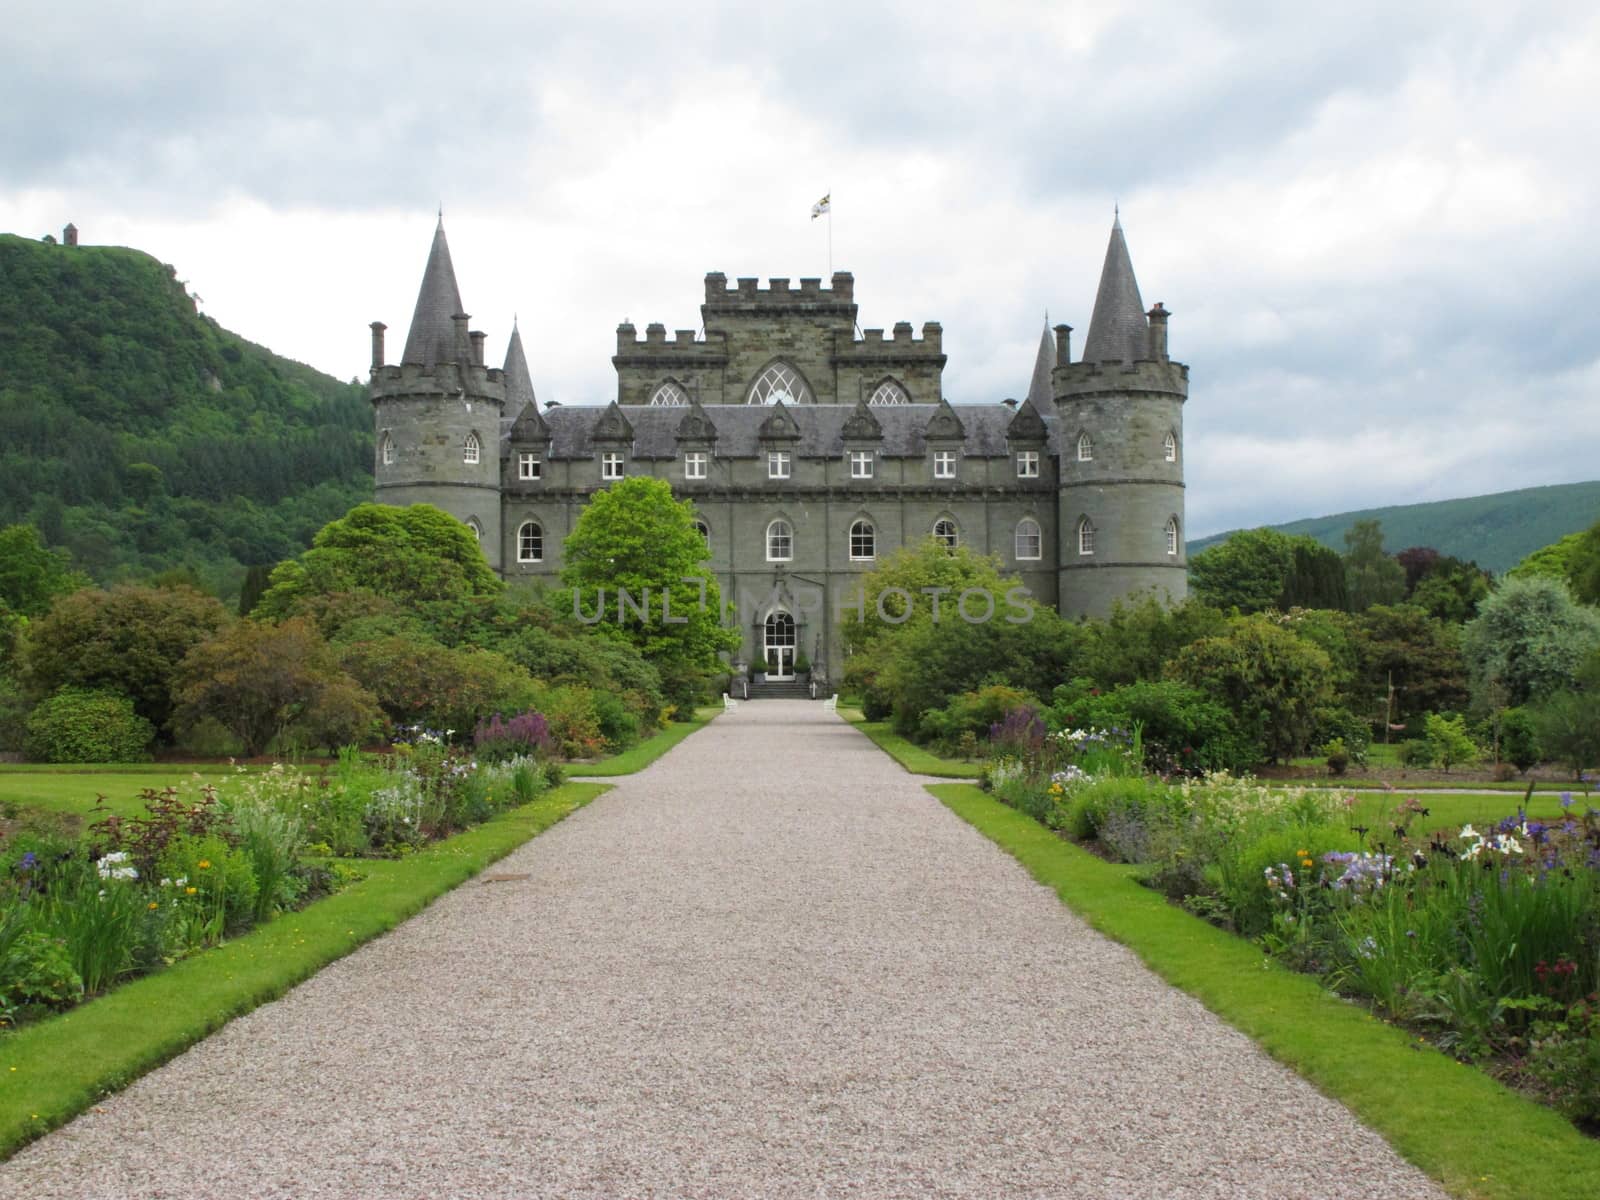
{"type": "Point", "coordinates": [1375, 223]}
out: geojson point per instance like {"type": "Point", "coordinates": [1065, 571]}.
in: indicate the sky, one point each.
{"type": "Point", "coordinates": [1374, 224]}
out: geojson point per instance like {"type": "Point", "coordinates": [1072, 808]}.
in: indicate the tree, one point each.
{"type": "Point", "coordinates": [1246, 572]}
{"type": "Point", "coordinates": [1528, 641]}
{"type": "Point", "coordinates": [419, 556]}
{"type": "Point", "coordinates": [1451, 589]}
{"type": "Point", "coordinates": [1583, 566]}
{"type": "Point", "coordinates": [129, 639]}
{"type": "Point", "coordinates": [1136, 641]}
{"type": "Point", "coordinates": [1371, 575]}
{"type": "Point", "coordinates": [634, 537]}
{"type": "Point", "coordinates": [417, 681]}
{"type": "Point", "coordinates": [259, 680]}
{"type": "Point", "coordinates": [1316, 578]}
{"type": "Point", "coordinates": [1402, 647]}
{"type": "Point", "coordinates": [1446, 741]}
{"type": "Point", "coordinates": [1568, 727]}
{"type": "Point", "coordinates": [1549, 562]}
{"type": "Point", "coordinates": [31, 575]}
{"type": "Point", "coordinates": [1273, 682]}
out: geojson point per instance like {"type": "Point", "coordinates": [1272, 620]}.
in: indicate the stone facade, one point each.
{"type": "Point", "coordinates": [777, 416]}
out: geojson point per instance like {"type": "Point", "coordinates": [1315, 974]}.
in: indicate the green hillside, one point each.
{"type": "Point", "coordinates": [144, 437]}
{"type": "Point", "coordinates": [1495, 531]}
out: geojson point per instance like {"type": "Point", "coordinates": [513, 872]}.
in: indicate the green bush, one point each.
{"type": "Point", "coordinates": [1338, 756]}
{"type": "Point", "coordinates": [1447, 742]}
{"type": "Point", "coordinates": [971, 712]}
{"type": "Point", "coordinates": [1519, 741]}
{"type": "Point", "coordinates": [35, 969]}
{"type": "Point", "coordinates": [1240, 874]}
{"type": "Point", "coordinates": [82, 725]}
{"type": "Point", "coordinates": [1340, 724]}
{"type": "Point", "coordinates": [1182, 729]}
{"type": "Point", "coordinates": [224, 880]}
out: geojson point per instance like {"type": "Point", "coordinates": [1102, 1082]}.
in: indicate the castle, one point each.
{"type": "Point", "coordinates": [811, 449]}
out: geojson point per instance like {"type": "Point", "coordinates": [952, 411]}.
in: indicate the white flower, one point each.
{"type": "Point", "coordinates": [1467, 831]}
{"type": "Point", "coordinates": [1508, 845]}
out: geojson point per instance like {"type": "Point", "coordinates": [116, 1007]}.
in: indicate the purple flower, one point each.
{"type": "Point", "coordinates": [1566, 798]}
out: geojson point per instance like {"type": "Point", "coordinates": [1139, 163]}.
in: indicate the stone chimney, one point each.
{"type": "Point", "coordinates": [1063, 345]}
{"type": "Point", "coordinates": [377, 345]}
{"type": "Point", "coordinates": [1158, 331]}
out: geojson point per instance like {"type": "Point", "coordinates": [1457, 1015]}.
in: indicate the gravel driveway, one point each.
{"type": "Point", "coordinates": [768, 965]}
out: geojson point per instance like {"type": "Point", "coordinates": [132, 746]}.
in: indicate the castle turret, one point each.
{"type": "Point", "coordinates": [1119, 429]}
{"type": "Point", "coordinates": [438, 413]}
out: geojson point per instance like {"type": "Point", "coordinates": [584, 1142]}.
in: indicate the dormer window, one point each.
{"type": "Point", "coordinates": [1085, 448]}
{"type": "Point", "coordinates": [528, 465]}
{"type": "Point", "coordinates": [1027, 464]}
{"type": "Point", "coordinates": [944, 464]}
{"type": "Point", "coordinates": [778, 382]}
{"type": "Point", "coordinates": [611, 465]}
{"type": "Point", "coordinates": [471, 450]}
{"type": "Point", "coordinates": [694, 464]}
{"type": "Point", "coordinates": [861, 464]}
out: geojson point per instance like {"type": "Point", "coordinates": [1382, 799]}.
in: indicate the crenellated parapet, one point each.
{"type": "Point", "coordinates": [413, 379]}
{"type": "Point", "coordinates": [748, 297]}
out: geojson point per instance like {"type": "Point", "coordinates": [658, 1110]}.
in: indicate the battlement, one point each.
{"type": "Point", "coordinates": [445, 379]}
{"type": "Point", "coordinates": [902, 343]}
{"type": "Point", "coordinates": [779, 290]}
{"type": "Point", "coordinates": [685, 346]}
{"type": "Point", "coordinates": [1114, 376]}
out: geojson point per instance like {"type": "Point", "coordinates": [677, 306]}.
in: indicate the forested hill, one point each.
{"type": "Point", "coordinates": [1495, 531]}
{"type": "Point", "coordinates": [144, 437]}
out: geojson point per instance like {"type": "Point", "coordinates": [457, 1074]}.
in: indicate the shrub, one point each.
{"type": "Point", "coordinates": [1519, 742]}
{"type": "Point", "coordinates": [223, 883]}
{"type": "Point", "coordinates": [273, 841]}
{"type": "Point", "coordinates": [35, 969]}
{"type": "Point", "coordinates": [1446, 741]}
{"type": "Point", "coordinates": [573, 722]}
{"type": "Point", "coordinates": [976, 712]}
{"type": "Point", "coordinates": [1338, 756]}
{"type": "Point", "coordinates": [497, 740]}
{"type": "Point", "coordinates": [81, 725]}
{"type": "Point", "coordinates": [1183, 730]}
{"type": "Point", "coordinates": [1340, 724]}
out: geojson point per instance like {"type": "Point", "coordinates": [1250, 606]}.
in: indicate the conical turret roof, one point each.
{"type": "Point", "coordinates": [1118, 330]}
{"type": "Point", "coordinates": [519, 384]}
{"type": "Point", "coordinates": [432, 338]}
{"type": "Point", "coordinates": [1041, 390]}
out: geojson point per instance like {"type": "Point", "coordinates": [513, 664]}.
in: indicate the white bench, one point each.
{"type": "Point", "coordinates": [728, 703]}
{"type": "Point", "coordinates": [831, 704]}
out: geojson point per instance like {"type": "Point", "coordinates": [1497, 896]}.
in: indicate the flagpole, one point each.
{"type": "Point", "coordinates": [830, 231]}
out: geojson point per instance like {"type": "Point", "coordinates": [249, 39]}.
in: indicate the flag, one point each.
{"type": "Point", "coordinates": [822, 207]}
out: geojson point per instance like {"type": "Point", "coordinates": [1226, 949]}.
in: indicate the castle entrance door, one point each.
{"type": "Point", "coordinates": [779, 644]}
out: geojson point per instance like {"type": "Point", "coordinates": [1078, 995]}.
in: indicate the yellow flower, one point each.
{"type": "Point", "coordinates": [189, 891]}
{"type": "Point", "coordinates": [205, 863]}
{"type": "Point", "coordinates": [1301, 853]}
{"type": "Point", "coordinates": [154, 906]}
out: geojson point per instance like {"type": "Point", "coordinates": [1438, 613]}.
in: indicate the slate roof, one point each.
{"type": "Point", "coordinates": [1118, 331]}
{"type": "Point", "coordinates": [432, 338]}
{"type": "Point", "coordinates": [519, 383]}
{"type": "Point", "coordinates": [821, 429]}
{"type": "Point", "coordinates": [1041, 391]}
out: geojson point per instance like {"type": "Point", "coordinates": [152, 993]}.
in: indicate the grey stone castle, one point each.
{"type": "Point", "coordinates": [811, 449]}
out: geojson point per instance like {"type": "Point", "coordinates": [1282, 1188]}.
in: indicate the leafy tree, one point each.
{"type": "Point", "coordinates": [1548, 562]}
{"type": "Point", "coordinates": [32, 576]}
{"type": "Point", "coordinates": [1568, 727]}
{"type": "Point", "coordinates": [1519, 739]}
{"type": "Point", "coordinates": [1583, 566]}
{"type": "Point", "coordinates": [130, 640]}
{"type": "Point", "coordinates": [1371, 576]}
{"type": "Point", "coordinates": [1446, 741]}
{"type": "Point", "coordinates": [259, 680]}
{"type": "Point", "coordinates": [1401, 646]}
{"type": "Point", "coordinates": [421, 557]}
{"type": "Point", "coordinates": [1416, 561]}
{"type": "Point", "coordinates": [927, 571]}
{"type": "Point", "coordinates": [1529, 640]}
{"type": "Point", "coordinates": [1138, 639]}
{"type": "Point", "coordinates": [417, 681]}
{"type": "Point", "coordinates": [1246, 572]}
{"type": "Point", "coordinates": [634, 537]}
{"type": "Point", "coordinates": [1336, 634]}
{"type": "Point", "coordinates": [256, 580]}
{"type": "Point", "coordinates": [1451, 589]}
{"type": "Point", "coordinates": [1316, 578]}
{"type": "Point", "coordinates": [1271, 680]}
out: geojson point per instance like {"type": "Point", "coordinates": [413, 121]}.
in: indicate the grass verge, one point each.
{"type": "Point", "coordinates": [52, 1071]}
{"type": "Point", "coordinates": [913, 758]}
{"type": "Point", "coordinates": [75, 792]}
{"type": "Point", "coordinates": [637, 758]}
{"type": "Point", "coordinates": [1455, 1123]}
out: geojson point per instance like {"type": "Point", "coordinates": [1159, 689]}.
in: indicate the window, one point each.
{"type": "Point", "coordinates": [528, 465]}
{"type": "Point", "coordinates": [477, 530]}
{"type": "Point", "coordinates": [611, 466]}
{"type": "Point", "coordinates": [780, 541]}
{"type": "Point", "coordinates": [778, 382]}
{"type": "Point", "coordinates": [694, 464]}
{"type": "Point", "coordinates": [1027, 464]}
{"type": "Point", "coordinates": [863, 541]}
{"type": "Point", "coordinates": [778, 464]}
{"type": "Point", "coordinates": [472, 451]}
{"type": "Point", "coordinates": [1085, 537]}
{"type": "Point", "coordinates": [530, 542]}
{"type": "Point", "coordinates": [1030, 542]}
{"type": "Point", "coordinates": [1169, 448]}
{"type": "Point", "coordinates": [944, 464]}
{"type": "Point", "coordinates": [889, 392]}
{"type": "Point", "coordinates": [944, 531]}
{"type": "Point", "coordinates": [1085, 448]}
{"type": "Point", "coordinates": [861, 464]}
{"type": "Point", "coordinates": [388, 450]}
{"type": "Point", "coordinates": [704, 531]}
{"type": "Point", "coordinates": [669, 395]}
{"type": "Point", "coordinates": [1172, 535]}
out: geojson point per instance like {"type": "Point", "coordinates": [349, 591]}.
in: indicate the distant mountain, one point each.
{"type": "Point", "coordinates": [144, 437]}
{"type": "Point", "coordinates": [1495, 531]}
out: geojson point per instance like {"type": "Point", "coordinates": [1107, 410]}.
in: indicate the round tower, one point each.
{"type": "Point", "coordinates": [437, 414]}
{"type": "Point", "coordinates": [1119, 430]}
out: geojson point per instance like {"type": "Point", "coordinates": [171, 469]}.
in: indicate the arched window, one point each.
{"type": "Point", "coordinates": [889, 392]}
{"type": "Point", "coordinates": [471, 450]}
{"type": "Point", "coordinates": [1172, 536]}
{"type": "Point", "coordinates": [778, 382]}
{"type": "Point", "coordinates": [1169, 448]}
{"type": "Point", "coordinates": [1030, 541]}
{"type": "Point", "coordinates": [530, 542]}
{"type": "Point", "coordinates": [477, 530]}
{"type": "Point", "coordinates": [1085, 536]}
{"type": "Point", "coordinates": [863, 541]}
{"type": "Point", "coordinates": [780, 541]}
{"type": "Point", "coordinates": [704, 531]}
{"type": "Point", "coordinates": [945, 531]}
{"type": "Point", "coordinates": [669, 395]}
{"type": "Point", "coordinates": [1085, 448]}
{"type": "Point", "coordinates": [386, 450]}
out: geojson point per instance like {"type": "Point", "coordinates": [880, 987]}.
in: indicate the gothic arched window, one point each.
{"type": "Point", "coordinates": [477, 530]}
{"type": "Point", "coordinates": [471, 450]}
{"type": "Point", "coordinates": [704, 531]}
{"type": "Point", "coordinates": [1085, 448]}
{"type": "Point", "coordinates": [530, 542]}
{"type": "Point", "coordinates": [780, 541]}
{"type": "Point", "coordinates": [778, 382]}
{"type": "Point", "coordinates": [386, 450]}
{"type": "Point", "coordinates": [1169, 447]}
{"type": "Point", "coordinates": [1172, 536]}
{"type": "Point", "coordinates": [1030, 541]}
{"type": "Point", "coordinates": [1085, 536]}
{"type": "Point", "coordinates": [669, 395]}
{"type": "Point", "coordinates": [863, 541]}
{"type": "Point", "coordinates": [889, 392]}
{"type": "Point", "coordinates": [945, 532]}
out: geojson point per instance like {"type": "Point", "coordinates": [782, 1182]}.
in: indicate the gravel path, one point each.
{"type": "Point", "coordinates": [769, 965]}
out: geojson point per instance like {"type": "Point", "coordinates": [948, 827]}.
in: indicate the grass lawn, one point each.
{"type": "Point", "coordinates": [73, 790]}
{"type": "Point", "coordinates": [646, 752]}
{"type": "Point", "coordinates": [913, 758]}
{"type": "Point", "coordinates": [1478, 1138]}
{"type": "Point", "coordinates": [53, 1070]}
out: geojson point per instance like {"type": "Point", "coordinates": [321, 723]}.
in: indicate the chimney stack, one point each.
{"type": "Point", "coordinates": [477, 336]}
{"type": "Point", "coordinates": [377, 345]}
{"type": "Point", "coordinates": [1158, 331]}
{"type": "Point", "coordinates": [1063, 345]}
